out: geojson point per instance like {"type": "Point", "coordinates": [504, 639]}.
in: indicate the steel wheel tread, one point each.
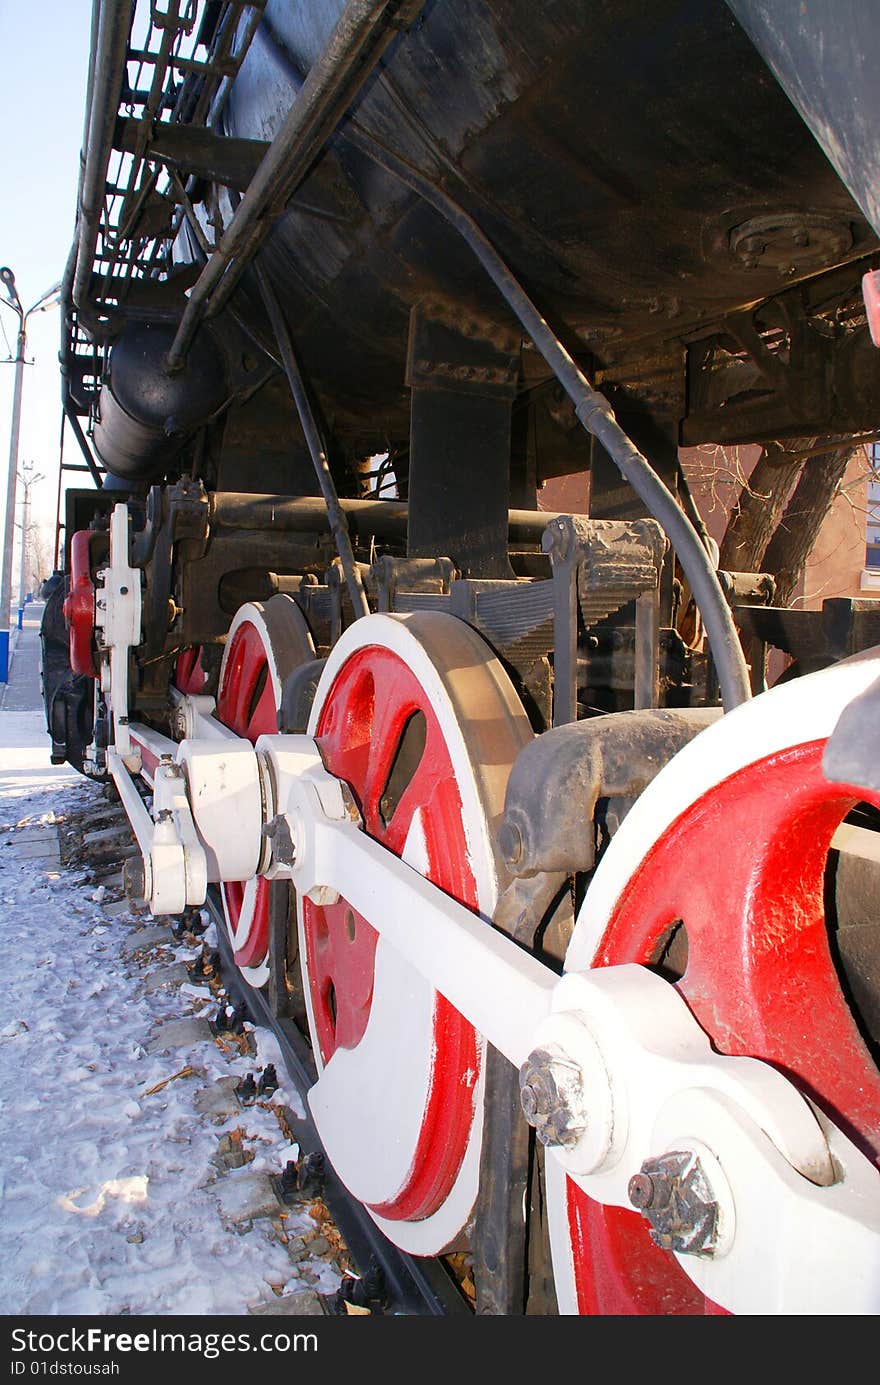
{"type": "Point", "coordinates": [399, 1102]}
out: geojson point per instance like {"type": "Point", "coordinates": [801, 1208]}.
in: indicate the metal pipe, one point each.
{"type": "Point", "coordinates": [109, 69]}
{"type": "Point", "coordinates": [362, 34]}
{"type": "Point", "coordinates": [70, 267]}
{"type": "Point", "coordinates": [90, 81]}
{"type": "Point", "coordinates": [380, 518]}
{"type": "Point", "coordinates": [597, 417]}
{"type": "Point", "coordinates": [306, 513]}
{"type": "Point", "coordinates": [212, 110]}
{"type": "Point", "coordinates": [317, 451]}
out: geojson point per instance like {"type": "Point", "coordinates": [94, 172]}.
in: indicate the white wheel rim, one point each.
{"type": "Point", "coordinates": [374, 1157]}
{"type": "Point", "coordinates": [283, 636]}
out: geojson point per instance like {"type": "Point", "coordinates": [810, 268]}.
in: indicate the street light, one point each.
{"type": "Point", "coordinates": [12, 300]}
{"type": "Point", "coordinates": [27, 479]}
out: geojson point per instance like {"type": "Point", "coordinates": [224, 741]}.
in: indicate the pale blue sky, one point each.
{"type": "Point", "coordinates": [44, 47]}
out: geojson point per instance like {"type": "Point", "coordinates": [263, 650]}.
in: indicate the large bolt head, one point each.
{"type": "Point", "coordinates": [675, 1196]}
{"type": "Point", "coordinates": [552, 1096]}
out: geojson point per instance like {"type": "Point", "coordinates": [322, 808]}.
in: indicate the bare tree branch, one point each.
{"type": "Point", "coordinates": [757, 512]}
{"type": "Point", "coordinates": [796, 534]}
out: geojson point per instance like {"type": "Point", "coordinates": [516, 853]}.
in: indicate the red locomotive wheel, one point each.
{"type": "Point", "coordinates": [729, 897]}
{"type": "Point", "coordinates": [189, 674]}
{"type": "Point", "coordinates": [267, 641]}
{"type": "Point", "coordinates": [416, 715]}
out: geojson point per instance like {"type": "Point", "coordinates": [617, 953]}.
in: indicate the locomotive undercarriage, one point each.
{"type": "Point", "coordinates": [407, 683]}
{"type": "Point", "coordinates": [584, 960]}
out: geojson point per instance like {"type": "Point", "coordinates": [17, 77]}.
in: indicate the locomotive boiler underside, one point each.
{"type": "Point", "coordinates": [642, 173]}
{"type": "Point", "coordinates": [640, 170]}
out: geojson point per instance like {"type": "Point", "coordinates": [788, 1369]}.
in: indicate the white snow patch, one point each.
{"type": "Point", "coordinates": [124, 1189]}
{"type": "Point", "coordinates": [107, 1195]}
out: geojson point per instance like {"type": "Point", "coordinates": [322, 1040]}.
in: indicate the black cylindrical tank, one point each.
{"type": "Point", "coordinates": [147, 414]}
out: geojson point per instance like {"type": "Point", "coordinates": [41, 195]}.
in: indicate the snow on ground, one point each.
{"type": "Point", "coordinates": [110, 1202]}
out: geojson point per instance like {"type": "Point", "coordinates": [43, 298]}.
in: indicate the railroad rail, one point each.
{"type": "Point", "coordinates": [412, 1285]}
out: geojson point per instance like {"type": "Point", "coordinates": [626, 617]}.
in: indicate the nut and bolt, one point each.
{"type": "Point", "coordinates": [641, 1191]}
{"type": "Point", "coordinates": [551, 1090]}
{"type": "Point", "coordinates": [674, 1195]}
{"type": "Point", "coordinates": [246, 1090]}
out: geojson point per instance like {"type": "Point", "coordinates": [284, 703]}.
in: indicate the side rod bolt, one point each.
{"type": "Point", "coordinates": [552, 1096]}
{"type": "Point", "coordinates": [640, 1190]}
{"type": "Point", "coordinates": [674, 1195]}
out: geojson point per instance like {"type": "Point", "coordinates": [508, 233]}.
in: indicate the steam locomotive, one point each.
{"type": "Point", "coordinates": [575, 913]}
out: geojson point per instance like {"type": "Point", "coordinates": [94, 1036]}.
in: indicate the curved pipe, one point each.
{"type": "Point", "coordinates": [597, 417]}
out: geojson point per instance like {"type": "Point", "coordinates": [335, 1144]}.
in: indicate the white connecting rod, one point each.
{"type": "Point", "coordinates": [649, 1078]}
{"type": "Point", "coordinates": [503, 991]}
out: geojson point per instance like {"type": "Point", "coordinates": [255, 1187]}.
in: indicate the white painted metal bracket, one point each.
{"type": "Point", "coordinates": [118, 617]}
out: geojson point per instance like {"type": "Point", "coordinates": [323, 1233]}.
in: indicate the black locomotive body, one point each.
{"type": "Point", "coordinates": [351, 282]}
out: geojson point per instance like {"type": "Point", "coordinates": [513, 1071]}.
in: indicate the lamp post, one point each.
{"type": "Point", "coordinates": [12, 300]}
{"type": "Point", "coordinates": [27, 479]}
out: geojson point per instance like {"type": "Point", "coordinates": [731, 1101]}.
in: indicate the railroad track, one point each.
{"type": "Point", "coordinates": [412, 1286]}
{"type": "Point", "coordinates": [396, 1283]}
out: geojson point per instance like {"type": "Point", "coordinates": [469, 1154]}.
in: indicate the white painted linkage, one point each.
{"type": "Point", "coordinates": [118, 616]}
{"type": "Point", "coordinates": [797, 1197]}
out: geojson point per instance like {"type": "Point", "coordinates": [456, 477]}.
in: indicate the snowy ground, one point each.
{"type": "Point", "coordinates": [111, 1201]}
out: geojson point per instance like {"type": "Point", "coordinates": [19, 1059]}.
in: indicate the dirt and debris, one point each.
{"type": "Point", "coordinates": [461, 1267]}
{"type": "Point", "coordinates": [166, 1163]}
{"type": "Point", "coordinates": [188, 1071]}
